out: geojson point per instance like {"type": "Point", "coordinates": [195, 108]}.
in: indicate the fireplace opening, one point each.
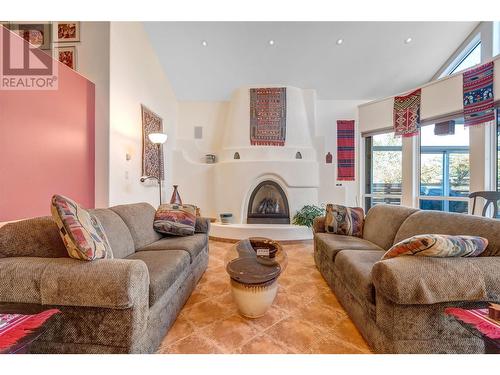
{"type": "Point", "coordinates": [268, 205]}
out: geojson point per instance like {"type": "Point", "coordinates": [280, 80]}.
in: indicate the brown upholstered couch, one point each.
{"type": "Point", "coordinates": [120, 305]}
{"type": "Point", "coordinates": [397, 304]}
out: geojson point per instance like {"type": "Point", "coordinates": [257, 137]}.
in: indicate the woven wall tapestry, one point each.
{"type": "Point", "coordinates": [478, 95]}
{"type": "Point", "coordinates": [345, 150]}
{"type": "Point", "coordinates": [444, 128]}
{"type": "Point", "coordinates": [152, 161]}
{"type": "Point", "coordinates": [407, 114]}
{"type": "Point", "coordinates": [268, 116]}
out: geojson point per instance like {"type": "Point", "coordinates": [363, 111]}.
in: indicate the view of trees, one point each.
{"type": "Point", "coordinates": [431, 172]}
{"type": "Point", "coordinates": [387, 171]}
{"type": "Point", "coordinates": [459, 172]}
{"type": "Point", "coordinates": [431, 169]}
{"type": "Point", "coordinates": [387, 165]}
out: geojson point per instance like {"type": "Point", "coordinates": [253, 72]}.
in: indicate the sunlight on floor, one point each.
{"type": "Point", "coordinates": [305, 317]}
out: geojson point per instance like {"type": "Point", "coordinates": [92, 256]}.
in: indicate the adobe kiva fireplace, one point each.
{"type": "Point", "coordinates": [268, 205]}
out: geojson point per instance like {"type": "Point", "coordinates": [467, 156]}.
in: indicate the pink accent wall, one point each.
{"type": "Point", "coordinates": [47, 146]}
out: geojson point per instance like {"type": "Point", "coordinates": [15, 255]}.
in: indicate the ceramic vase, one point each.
{"type": "Point", "coordinates": [176, 198]}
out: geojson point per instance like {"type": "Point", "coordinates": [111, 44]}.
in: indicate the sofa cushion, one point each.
{"type": "Point", "coordinates": [354, 267]}
{"type": "Point", "coordinates": [455, 224]}
{"type": "Point", "coordinates": [164, 268]}
{"type": "Point", "coordinates": [439, 246]}
{"type": "Point", "coordinates": [37, 237]}
{"type": "Point", "coordinates": [331, 244]}
{"type": "Point", "coordinates": [139, 219]}
{"type": "Point", "coordinates": [194, 244]}
{"type": "Point", "coordinates": [118, 234]}
{"type": "Point", "coordinates": [382, 223]}
{"type": "Point", "coordinates": [175, 219]}
{"type": "Point", "coordinates": [81, 232]}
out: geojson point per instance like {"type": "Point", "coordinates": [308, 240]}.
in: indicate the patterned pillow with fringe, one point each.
{"type": "Point", "coordinates": [439, 246]}
{"type": "Point", "coordinates": [175, 219]}
{"type": "Point", "coordinates": [81, 232]}
{"type": "Point", "coordinates": [347, 221]}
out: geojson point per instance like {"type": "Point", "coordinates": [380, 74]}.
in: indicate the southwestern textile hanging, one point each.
{"type": "Point", "coordinates": [152, 155]}
{"type": "Point", "coordinates": [478, 95]}
{"type": "Point", "coordinates": [345, 150]}
{"type": "Point", "coordinates": [268, 116]}
{"type": "Point", "coordinates": [407, 114]}
{"type": "Point", "coordinates": [444, 128]}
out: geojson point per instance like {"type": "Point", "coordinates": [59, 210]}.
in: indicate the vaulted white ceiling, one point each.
{"type": "Point", "coordinates": [372, 62]}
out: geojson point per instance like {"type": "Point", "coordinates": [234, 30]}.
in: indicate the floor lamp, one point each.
{"type": "Point", "coordinates": [158, 139]}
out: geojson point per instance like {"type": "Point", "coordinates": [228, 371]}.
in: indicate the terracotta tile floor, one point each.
{"type": "Point", "coordinates": [305, 317]}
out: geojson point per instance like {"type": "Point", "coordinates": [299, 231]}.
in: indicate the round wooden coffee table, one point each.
{"type": "Point", "coordinates": [254, 265]}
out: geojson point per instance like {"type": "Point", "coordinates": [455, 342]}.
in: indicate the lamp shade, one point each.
{"type": "Point", "coordinates": [157, 138]}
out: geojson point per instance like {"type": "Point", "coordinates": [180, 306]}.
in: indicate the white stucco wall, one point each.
{"type": "Point", "coordinates": [136, 77]}
{"type": "Point", "coordinates": [210, 116]}
{"type": "Point", "coordinates": [93, 63]}
{"type": "Point", "coordinates": [226, 185]}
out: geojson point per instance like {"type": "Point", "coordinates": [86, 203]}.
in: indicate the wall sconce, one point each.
{"type": "Point", "coordinates": [158, 139]}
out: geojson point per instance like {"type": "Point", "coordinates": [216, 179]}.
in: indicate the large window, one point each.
{"type": "Point", "coordinates": [472, 57]}
{"type": "Point", "coordinates": [383, 166]}
{"type": "Point", "coordinates": [444, 169]}
{"type": "Point", "coordinates": [469, 57]}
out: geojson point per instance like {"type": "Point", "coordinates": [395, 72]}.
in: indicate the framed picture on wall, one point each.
{"type": "Point", "coordinates": [37, 33]}
{"type": "Point", "coordinates": [66, 31]}
{"type": "Point", "coordinates": [66, 55]}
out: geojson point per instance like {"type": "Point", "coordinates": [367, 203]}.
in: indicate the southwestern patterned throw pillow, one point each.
{"type": "Point", "coordinates": [438, 245]}
{"type": "Point", "coordinates": [344, 220]}
{"type": "Point", "coordinates": [81, 232]}
{"type": "Point", "coordinates": [175, 219]}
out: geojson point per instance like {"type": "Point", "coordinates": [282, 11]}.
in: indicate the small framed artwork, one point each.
{"type": "Point", "coordinates": [66, 31]}
{"type": "Point", "coordinates": [37, 33]}
{"type": "Point", "coordinates": [66, 55]}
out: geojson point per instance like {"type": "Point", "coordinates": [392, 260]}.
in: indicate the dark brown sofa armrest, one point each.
{"type": "Point", "coordinates": [319, 224]}
{"type": "Point", "coordinates": [416, 280]}
{"type": "Point", "coordinates": [202, 225]}
{"type": "Point", "coordinates": [105, 283]}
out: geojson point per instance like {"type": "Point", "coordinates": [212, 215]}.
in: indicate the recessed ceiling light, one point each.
{"type": "Point", "coordinates": [204, 43]}
{"type": "Point", "coordinates": [408, 40]}
{"type": "Point", "coordinates": [340, 41]}
{"type": "Point", "coordinates": [271, 42]}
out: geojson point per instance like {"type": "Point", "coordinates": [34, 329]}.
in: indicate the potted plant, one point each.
{"type": "Point", "coordinates": [306, 215]}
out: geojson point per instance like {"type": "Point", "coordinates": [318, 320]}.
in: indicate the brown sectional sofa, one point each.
{"type": "Point", "coordinates": [397, 304]}
{"type": "Point", "coordinates": [120, 305]}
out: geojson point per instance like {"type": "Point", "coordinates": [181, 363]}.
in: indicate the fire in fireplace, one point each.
{"type": "Point", "coordinates": [268, 205]}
